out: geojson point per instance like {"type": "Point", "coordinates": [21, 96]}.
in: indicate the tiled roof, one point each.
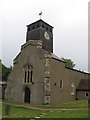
{"type": "Point", "coordinates": [84, 84]}
{"type": "Point", "coordinates": [38, 21]}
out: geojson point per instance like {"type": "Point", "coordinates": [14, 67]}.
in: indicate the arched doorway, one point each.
{"type": "Point", "coordinates": [27, 95]}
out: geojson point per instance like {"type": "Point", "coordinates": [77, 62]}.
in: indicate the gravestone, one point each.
{"type": "Point", "coordinates": [7, 111]}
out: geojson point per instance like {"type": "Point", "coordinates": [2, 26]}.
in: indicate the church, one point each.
{"type": "Point", "coordinates": [39, 76]}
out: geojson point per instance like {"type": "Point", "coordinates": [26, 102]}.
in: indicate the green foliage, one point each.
{"type": "Point", "coordinates": [0, 65]}
{"type": "Point", "coordinates": [0, 70]}
{"type": "Point", "coordinates": [5, 71]}
{"type": "Point", "coordinates": [0, 61]}
{"type": "Point", "coordinates": [68, 63]}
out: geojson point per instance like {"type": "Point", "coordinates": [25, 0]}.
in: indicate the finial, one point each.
{"type": "Point", "coordinates": [40, 14]}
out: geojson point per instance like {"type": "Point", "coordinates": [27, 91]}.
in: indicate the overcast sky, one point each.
{"type": "Point", "coordinates": [68, 17]}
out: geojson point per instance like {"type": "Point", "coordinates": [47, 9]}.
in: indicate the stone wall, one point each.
{"type": "Point", "coordinates": [70, 78]}
{"type": "Point", "coordinates": [83, 95]}
{"type": "Point", "coordinates": [31, 54]}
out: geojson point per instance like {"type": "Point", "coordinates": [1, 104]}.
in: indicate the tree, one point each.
{"type": "Point", "coordinates": [0, 70]}
{"type": "Point", "coordinates": [68, 63]}
{"type": "Point", "coordinates": [5, 71]}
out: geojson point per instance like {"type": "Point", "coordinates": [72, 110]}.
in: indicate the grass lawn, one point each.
{"type": "Point", "coordinates": [21, 112]}
{"type": "Point", "coordinates": [74, 104]}
{"type": "Point", "coordinates": [67, 114]}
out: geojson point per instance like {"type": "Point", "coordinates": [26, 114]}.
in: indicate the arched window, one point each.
{"type": "Point", "coordinates": [61, 84]}
{"type": "Point", "coordinates": [28, 74]}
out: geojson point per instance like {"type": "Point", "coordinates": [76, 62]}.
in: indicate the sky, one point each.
{"type": "Point", "coordinates": [68, 17]}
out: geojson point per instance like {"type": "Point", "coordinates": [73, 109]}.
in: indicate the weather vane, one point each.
{"type": "Point", "coordinates": [40, 14]}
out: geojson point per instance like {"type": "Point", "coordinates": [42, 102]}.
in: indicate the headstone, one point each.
{"type": "Point", "coordinates": [7, 111]}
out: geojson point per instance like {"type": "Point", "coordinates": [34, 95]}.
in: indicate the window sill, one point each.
{"type": "Point", "coordinates": [27, 83]}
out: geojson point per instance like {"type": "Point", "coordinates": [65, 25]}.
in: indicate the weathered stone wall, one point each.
{"type": "Point", "coordinates": [70, 78]}
{"type": "Point", "coordinates": [31, 54]}
{"type": "Point", "coordinates": [82, 95]}
{"type": "Point", "coordinates": [47, 73]}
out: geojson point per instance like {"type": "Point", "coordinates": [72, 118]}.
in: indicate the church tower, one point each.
{"type": "Point", "coordinates": [41, 30]}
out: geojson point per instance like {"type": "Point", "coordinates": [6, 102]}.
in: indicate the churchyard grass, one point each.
{"type": "Point", "coordinates": [73, 104]}
{"type": "Point", "coordinates": [67, 114]}
{"type": "Point", "coordinates": [22, 112]}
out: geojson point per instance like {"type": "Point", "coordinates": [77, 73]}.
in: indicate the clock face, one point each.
{"type": "Point", "coordinates": [46, 35]}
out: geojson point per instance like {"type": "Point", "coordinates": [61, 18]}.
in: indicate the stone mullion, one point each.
{"type": "Point", "coordinates": [27, 75]}
{"type": "Point", "coordinates": [23, 76]}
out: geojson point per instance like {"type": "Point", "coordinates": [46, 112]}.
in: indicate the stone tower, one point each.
{"type": "Point", "coordinates": [40, 30]}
